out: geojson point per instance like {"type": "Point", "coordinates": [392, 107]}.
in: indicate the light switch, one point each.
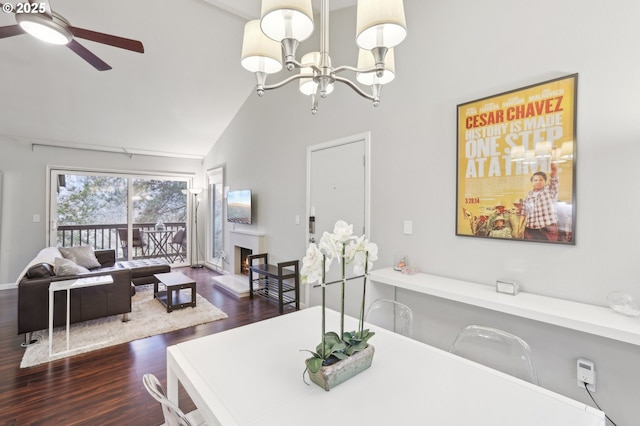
{"type": "Point", "coordinates": [297, 219]}
{"type": "Point", "coordinates": [408, 227]}
{"type": "Point", "coordinates": [36, 218]}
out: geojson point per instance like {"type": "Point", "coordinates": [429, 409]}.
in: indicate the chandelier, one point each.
{"type": "Point", "coordinates": [284, 24]}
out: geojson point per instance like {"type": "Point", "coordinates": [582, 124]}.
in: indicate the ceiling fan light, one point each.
{"type": "Point", "coordinates": [259, 52]}
{"type": "Point", "coordinates": [366, 61]}
{"type": "Point", "coordinates": [44, 28]}
{"type": "Point", "coordinates": [282, 19]}
{"type": "Point", "coordinates": [380, 23]}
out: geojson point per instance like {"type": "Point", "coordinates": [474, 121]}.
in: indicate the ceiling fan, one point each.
{"type": "Point", "coordinates": [37, 19]}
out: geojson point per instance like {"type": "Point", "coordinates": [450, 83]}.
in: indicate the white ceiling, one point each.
{"type": "Point", "coordinates": [175, 99]}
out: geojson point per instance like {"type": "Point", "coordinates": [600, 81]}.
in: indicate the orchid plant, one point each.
{"type": "Point", "coordinates": [344, 248]}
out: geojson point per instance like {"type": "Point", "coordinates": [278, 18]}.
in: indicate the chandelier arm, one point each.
{"type": "Point", "coordinates": [311, 65]}
{"type": "Point", "coordinates": [356, 89]}
{"type": "Point", "coordinates": [284, 82]}
{"type": "Point", "coordinates": [354, 69]}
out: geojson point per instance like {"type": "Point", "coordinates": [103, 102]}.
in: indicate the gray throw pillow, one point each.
{"type": "Point", "coordinates": [64, 267]}
{"type": "Point", "coordinates": [81, 255]}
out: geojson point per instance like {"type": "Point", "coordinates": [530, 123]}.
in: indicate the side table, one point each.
{"type": "Point", "coordinates": [172, 297]}
{"type": "Point", "coordinates": [69, 285]}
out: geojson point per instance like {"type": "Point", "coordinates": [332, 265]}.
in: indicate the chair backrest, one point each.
{"type": "Point", "coordinates": [391, 315]}
{"type": "Point", "coordinates": [178, 237]}
{"type": "Point", "coordinates": [173, 416]}
{"type": "Point", "coordinates": [123, 234]}
{"type": "Point", "coordinates": [496, 349]}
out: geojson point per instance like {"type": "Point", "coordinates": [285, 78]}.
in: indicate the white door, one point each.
{"type": "Point", "coordinates": [338, 188]}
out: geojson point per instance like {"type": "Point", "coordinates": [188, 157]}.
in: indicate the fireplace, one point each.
{"type": "Point", "coordinates": [242, 242]}
{"type": "Point", "coordinates": [243, 268]}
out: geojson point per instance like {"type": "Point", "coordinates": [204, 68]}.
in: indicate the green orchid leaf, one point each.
{"type": "Point", "coordinates": [315, 354]}
{"type": "Point", "coordinates": [341, 355]}
{"type": "Point", "coordinates": [314, 364]}
{"type": "Point", "coordinates": [339, 347]}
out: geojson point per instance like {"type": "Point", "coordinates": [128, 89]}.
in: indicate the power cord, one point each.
{"type": "Point", "coordinates": [594, 401]}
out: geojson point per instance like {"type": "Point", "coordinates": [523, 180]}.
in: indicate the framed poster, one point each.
{"type": "Point", "coordinates": [516, 164]}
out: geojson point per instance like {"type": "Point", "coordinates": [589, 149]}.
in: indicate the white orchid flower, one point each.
{"type": "Point", "coordinates": [312, 265]}
{"type": "Point", "coordinates": [365, 250]}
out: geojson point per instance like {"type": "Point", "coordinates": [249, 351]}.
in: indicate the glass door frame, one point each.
{"type": "Point", "coordinates": [215, 178]}
{"type": "Point", "coordinates": [52, 182]}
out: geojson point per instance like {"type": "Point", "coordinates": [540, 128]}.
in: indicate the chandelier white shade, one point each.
{"type": "Point", "coordinates": [287, 19]}
{"type": "Point", "coordinates": [380, 23]}
{"type": "Point", "coordinates": [259, 52]}
{"type": "Point", "coordinates": [367, 61]}
{"type": "Point", "coordinates": [307, 85]}
{"type": "Point", "coordinates": [272, 42]}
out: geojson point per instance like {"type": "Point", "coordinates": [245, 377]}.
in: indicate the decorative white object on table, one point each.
{"type": "Point", "coordinates": [507, 287]}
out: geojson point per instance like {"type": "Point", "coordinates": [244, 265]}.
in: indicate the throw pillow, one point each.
{"type": "Point", "coordinates": [41, 270]}
{"type": "Point", "coordinates": [81, 255]}
{"type": "Point", "coordinates": [64, 267]}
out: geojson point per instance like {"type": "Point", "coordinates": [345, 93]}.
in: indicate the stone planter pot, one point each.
{"type": "Point", "coordinates": [330, 376]}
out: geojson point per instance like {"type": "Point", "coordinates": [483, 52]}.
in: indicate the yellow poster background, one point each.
{"type": "Point", "coordinates": [502, 141]}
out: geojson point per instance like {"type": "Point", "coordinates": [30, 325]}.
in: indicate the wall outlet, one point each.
{"type": "Point", "coordinates": [586, 373]}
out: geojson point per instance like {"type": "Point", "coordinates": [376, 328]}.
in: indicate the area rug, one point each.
{"type": "Point", "coordinates": [148, 317]}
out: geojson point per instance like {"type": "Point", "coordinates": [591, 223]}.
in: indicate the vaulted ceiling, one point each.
{"type": "Point", "coordinates": [175, 99]}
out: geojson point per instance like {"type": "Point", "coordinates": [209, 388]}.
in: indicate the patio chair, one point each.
{"type": "Point", "coordinates": [178, 244]}
{"type": "Point", "coordinates": [123, 235]}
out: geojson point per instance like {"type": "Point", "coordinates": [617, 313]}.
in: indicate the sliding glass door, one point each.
{"type": "Point", "coordinates": [138, 216]}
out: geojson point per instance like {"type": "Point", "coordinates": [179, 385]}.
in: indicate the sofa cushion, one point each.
{"type": "Point", "coordinates": [40, 270]}
{"type": "Point", "coordinates": [81, 255]}
{"type": "Point", "coordinates": [145, 267]}
{"type": "Point", "coordinates": [65, 267]}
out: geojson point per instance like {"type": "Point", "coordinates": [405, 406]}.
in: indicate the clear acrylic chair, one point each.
{"type": "Point", "coordinates": [391, 315]}
{"type": "Point", "coordinates": [173, 416]}
{"type": "Point", "coordinates": [496, 349]}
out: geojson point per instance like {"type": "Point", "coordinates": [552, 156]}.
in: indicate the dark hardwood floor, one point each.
{"type": "Point", "coordinates": [104, 387]}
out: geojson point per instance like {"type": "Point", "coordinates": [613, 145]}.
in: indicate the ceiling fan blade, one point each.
{"type": "Point", "coordinates": [45, 5]}
{"type": "Point", "coordinates": [10, 31]}
{"type": "Point", "coordinates": [111, 40]}
{"type": "Point", "coordinates": [85, 54]}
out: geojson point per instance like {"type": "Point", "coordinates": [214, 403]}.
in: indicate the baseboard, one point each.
{"type": "Point", "coordinates": [8, 286]}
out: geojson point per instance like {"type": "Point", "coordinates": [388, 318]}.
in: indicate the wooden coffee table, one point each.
{"type": "Point", "coordinates": [173, 298]}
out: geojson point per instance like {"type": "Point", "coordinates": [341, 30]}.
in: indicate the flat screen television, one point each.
{"type": "Point", "coordinates": [239, 206]}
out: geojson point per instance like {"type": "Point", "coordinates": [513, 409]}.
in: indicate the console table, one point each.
{"type": "Point", "coordinates": [592, 319]}
{"type": "Point", "coordinates": [279, 282]}
{"type": "Point", "coordinates": [69, 285]}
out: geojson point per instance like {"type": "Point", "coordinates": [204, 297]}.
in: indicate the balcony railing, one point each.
{"type": "Point", "coordinates": [154, 244]}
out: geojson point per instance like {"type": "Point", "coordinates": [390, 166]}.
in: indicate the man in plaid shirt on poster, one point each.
{"type": "Point", "coordinates": [541, 217]}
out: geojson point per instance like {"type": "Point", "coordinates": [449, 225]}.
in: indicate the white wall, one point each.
{"type": "Point", "coordinates": [457, 52]}
{"type": "Point", "coordinates": [24, 192]}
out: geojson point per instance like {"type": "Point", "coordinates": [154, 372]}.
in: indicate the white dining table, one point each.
{"type": "Point", "coordinates": [253, 375]}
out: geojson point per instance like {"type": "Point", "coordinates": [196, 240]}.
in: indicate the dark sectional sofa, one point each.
{"type": "Point", "coordinates": [86, 303]}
